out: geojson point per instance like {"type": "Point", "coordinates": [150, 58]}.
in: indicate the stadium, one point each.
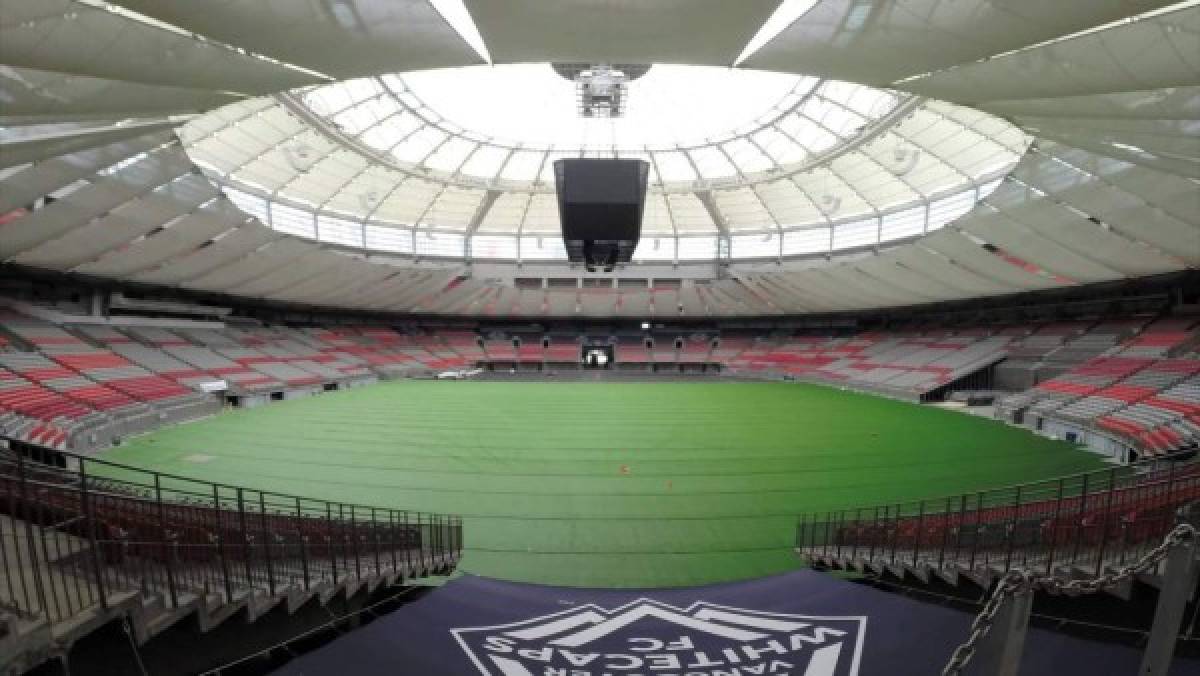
{"type": "Point", "coordinates": [598, 338]}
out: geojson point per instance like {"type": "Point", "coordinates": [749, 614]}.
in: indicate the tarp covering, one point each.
{"type": "Point", "coordinates": [799, 624]}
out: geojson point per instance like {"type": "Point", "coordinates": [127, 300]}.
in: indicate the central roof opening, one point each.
{"type": "Point", "coordinates": [511, 122]}
{"type": "Point", "coordinates": [533, 106]}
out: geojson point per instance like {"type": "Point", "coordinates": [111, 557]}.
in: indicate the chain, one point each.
{"type": "Point", "coordinates": [1025, 582]}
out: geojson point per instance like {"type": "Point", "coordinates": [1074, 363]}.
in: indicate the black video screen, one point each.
{"type": "Point", "coordinates": [602, 181]}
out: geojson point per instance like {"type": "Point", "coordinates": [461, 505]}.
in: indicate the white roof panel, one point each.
{"type": "Point", "coordinates": [363, 37]}
{"type": "Point", "coordinates": [709, 32]}
{"type": "Point", "coordinates": [881, 42]}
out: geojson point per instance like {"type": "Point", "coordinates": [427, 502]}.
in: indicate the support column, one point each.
{"type": "Point", "coordinates": [1177, 587]}
{"type": "Point", "coordinates": [724, 242]}
{"type": "Point", "coordinates": [999, 653]}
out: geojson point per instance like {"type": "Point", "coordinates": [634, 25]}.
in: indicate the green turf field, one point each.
{"type": "Point", "coordinates": [609, 484]}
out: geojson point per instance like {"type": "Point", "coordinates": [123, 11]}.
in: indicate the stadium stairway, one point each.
{"type": "Point", "coordinates": [1081, 526]}
{"type": "Point", "coordinates": [79, 551]}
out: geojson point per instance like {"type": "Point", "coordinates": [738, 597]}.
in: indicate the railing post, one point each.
{"type": "Point", "coordinates": [410, 571]}
{"type": "Point", "coordinates": [441, 540]}
{"type": "Point", "coordinates": [1079, 521]}
{"type": "Point", "coordinates": [1012, 529]}
{"type": "Point", "coordinates": [1170, 482]}
{"type": "Point", "coordinates": [96, 556]}
{"type": "Point", "coordinates": [303, 545]}
{"type": "Point", "coordinates": [375, 537]}
{"type": "Point", "coordinates": [267, 534]}
{"type": "Point", "coordinates": [874, 527]}
{"type": "Point", "coordinates": [438, 548]}
{"type": "Point", "coordinates": [426, 560]}
{"type": "Point", "coordinates": [392, 544]}
{"type": "Point", "coordinates": [13, 508]}
{"type": "Point", "coordinates": [858, 529]}
{"type": "Point", "coordinates": [27, 516]}
{"type": "Point", "coordinates": [354, 543]}
{"type": "Point", "coordinates": [241, 508]}
{"type": "Point", "coordinates": [420, 553]}
{"type": "Point", "coordinates": [920, 530]}
{"type": "Point", "coordinates": [946, 520]}
{"type": "Point", "coordinates": [435, 545]}
{"type": "Point", "coordinates": [1054, 527]}
{"type": "Point", "coordinates": [962, 522]}
{"type": "Point", "coordinates": [1104, 517]}
{"type": "Point", "coordinates": [841, 534]}
{"type": "Point", "coordinates": [1177, 587]}
{"type": "Point", "coordinates": [975, 540]}
{"type": "Point", "coordinates": [895, 535]}
{"type": "Point", "coordinates": [329, 540]}
{"type": "Point", "coordinates": [163, 537]}
{"type": "Point", "coordinates": [221, 545]}
{"type": "Point", "coordinates": [825, 544]}
{"type": "Point", "coordinates": [999, 652]}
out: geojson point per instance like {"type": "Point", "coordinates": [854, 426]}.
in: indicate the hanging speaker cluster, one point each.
{"type": "Point", "coordinates": [600, 205]}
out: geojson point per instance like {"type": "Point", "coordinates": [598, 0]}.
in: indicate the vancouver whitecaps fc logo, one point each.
{"type": "Point", "coordinates": [646, 637]}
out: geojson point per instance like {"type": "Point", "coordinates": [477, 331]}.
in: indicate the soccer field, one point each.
{"type": "Point", "coordinates": [608, 484]}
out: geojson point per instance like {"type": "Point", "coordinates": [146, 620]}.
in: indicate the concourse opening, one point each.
{"type": "Point", "coordinates": [597, 357]}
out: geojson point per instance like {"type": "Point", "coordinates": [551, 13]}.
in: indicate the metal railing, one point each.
{"type": "Point", "coordinates": [1085, 522]}
{"type": "Point", "coordinates": [96, 533]}
{"type": "Point", "coordinates": [997, 633]}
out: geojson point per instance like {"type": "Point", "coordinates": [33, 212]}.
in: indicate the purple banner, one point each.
{"type": "Point", "coordinates": [799, 624]}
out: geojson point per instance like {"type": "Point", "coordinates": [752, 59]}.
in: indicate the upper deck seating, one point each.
{"type": "Point", "coordinates": [237, 375]}
{"type": "Point", "coordinates": [158, 361]}
{"type": "Point", "coordinates": [465, 344]}
{"type": "Point", "coordinates": [115, 371]}
{"type": "Point", "coordinates": [563, 349]}
{"type": "Point", "coordinates": [531, 350]}
{"type": "Point", "coordinates": [1163, 420]}
{"type": "Point", "coordinates": [1096, 341]}
{"type": "Point", "coordinates": [1045, 339]}
{"type": "Point", "coordinates": [41, 370]}
{"type": "Point", "coordinates": [1158, 339]}
{"type": "Point", "coordinates": [696, 349]}
{"type": "Point", "coordinates": [104, 335]}
{"type": "Point", "coordinates": [901, 363]}
{"type": "Point", "coordinates": [38, 414]}
{"type": "Point", "coordinates": [664, 351]}
{"type": "Point", "coordinates": [107, 368]}
{"type": "Point", "coordinates": [500, 349]}
{"type": "Point", "coordinates": [1133, 390]}
{"type": "Point", "coordinates": [631, 350]}
{"type": "Point", "coordinates": [150, 335]}
{"type": "Point", "coordinates": [729, 346]}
